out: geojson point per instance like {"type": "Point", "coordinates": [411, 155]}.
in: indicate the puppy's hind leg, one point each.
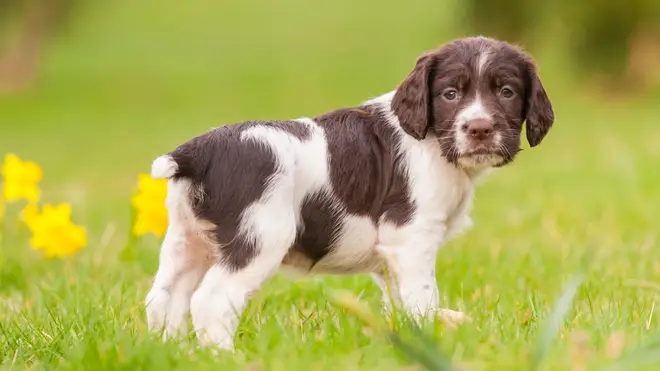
{"type": "Point", "coordinates": [181, 267]}
{"type": "Point", "coordinates": [268, 230]}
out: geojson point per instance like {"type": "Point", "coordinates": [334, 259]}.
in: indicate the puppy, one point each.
{"type": "Point", "coordinates": [368, 189]}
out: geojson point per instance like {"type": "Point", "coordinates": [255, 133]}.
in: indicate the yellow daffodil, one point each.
{"type": "Point", "coordinates": [52, 230]}
{"type": "Point", "coordinates": [29, 215]}
{"type": "Point", "coordinates": [149, 203]}
{"type": "Point", "coordinates": [20, 179]}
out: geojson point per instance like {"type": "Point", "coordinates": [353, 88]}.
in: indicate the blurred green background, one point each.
{"type": "Point", "coordinates": [94, 90]}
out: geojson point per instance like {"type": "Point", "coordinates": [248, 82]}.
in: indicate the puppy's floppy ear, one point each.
{"type": "Point", "coordinates": [411, 102]}
{"type": "Point", "coordinates": [539, 113]}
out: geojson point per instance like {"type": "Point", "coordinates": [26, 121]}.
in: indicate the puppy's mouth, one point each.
{"type": "Point", "coordinates": [481, 156]}
{"type": "Point", "coordinates": [489, 148]}
{"type": "Point", "coordinates": [480, 151]}
{"type": "Point", "coordinates": [468, 153]}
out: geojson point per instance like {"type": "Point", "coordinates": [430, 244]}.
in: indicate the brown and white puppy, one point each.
{"type": "Point", "coordinates": [355, 190]}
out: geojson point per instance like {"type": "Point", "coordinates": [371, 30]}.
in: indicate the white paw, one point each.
{"type": "Point", "coordinates": [217, 346]}
{"type": "Point", "coordinates": [175, 329]}
{"type": "Point", "coordinates": [451, 317]}
{"type": "Point", "coordinates": [156, 309]}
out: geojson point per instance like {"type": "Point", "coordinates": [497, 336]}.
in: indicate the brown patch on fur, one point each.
{"type": "Point", "coordinates": [322, 220]}
{"type": "Point", "coordinates": [231, 174]}
{"type": "Point", "coordinates": [365, 169]}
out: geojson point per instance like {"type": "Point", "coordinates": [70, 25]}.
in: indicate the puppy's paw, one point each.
{"type": "Point", "coordinates": [452, 318]}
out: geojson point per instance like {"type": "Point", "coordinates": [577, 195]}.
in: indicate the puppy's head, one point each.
{"type": "Point", "coordinates": [474, 94]}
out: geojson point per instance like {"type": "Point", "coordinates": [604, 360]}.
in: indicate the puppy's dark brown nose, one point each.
{"type": "Point", "coordinates": [480, 129]}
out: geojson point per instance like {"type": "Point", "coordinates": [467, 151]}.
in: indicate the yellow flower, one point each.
{"type": "Point", "coordinates": [20, 179]}
{"type": "Point", "coordinates": [53, 231]}
{"type": "Point", "coordinates": [149, 203]}
{"type": "Point", "coordinates": [29, 215]}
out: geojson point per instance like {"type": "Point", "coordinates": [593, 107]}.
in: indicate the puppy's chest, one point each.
{"type": "Point", "coordinates": [442, 193]}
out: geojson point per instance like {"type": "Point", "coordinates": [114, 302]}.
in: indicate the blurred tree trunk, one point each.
{"type": "Point", "coordinates": [31, 24]}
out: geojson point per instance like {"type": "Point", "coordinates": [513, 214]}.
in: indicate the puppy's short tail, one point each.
{"type": "Point", "coordinates": [164, 167]}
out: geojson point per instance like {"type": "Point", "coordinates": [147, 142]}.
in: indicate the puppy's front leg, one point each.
{"type": "Point", "coordinates": [412, 268]}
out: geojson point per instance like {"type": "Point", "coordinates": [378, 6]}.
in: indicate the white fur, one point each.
{"type": "Point", "coordinates": [183, 262]}
{"type": "Point", "coordinates": [483, 60]}
{"type": "Point", "coordinates": [473, 111]}
{"type": "Point", "coordinates": [441, 192]}
{"type": "Point", "coordinates": [354, 249]}
{"type": "Point", "coordinates": [163, 167]}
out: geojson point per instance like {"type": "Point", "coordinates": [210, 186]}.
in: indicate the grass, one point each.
{"type": "Point", "coordinates": [131, 81]}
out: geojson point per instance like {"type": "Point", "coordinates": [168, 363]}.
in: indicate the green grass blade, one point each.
{"type": "Point", "coordinates": [553, 325]}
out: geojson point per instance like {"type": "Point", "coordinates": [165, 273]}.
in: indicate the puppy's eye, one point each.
{"type": "Point", "coordinates": [450, 94]}
{"type": "Point", "coordinates": [506, 92]}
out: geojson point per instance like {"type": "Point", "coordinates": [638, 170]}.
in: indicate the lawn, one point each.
{"type": "Point", "coordinates": [129, 82]}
